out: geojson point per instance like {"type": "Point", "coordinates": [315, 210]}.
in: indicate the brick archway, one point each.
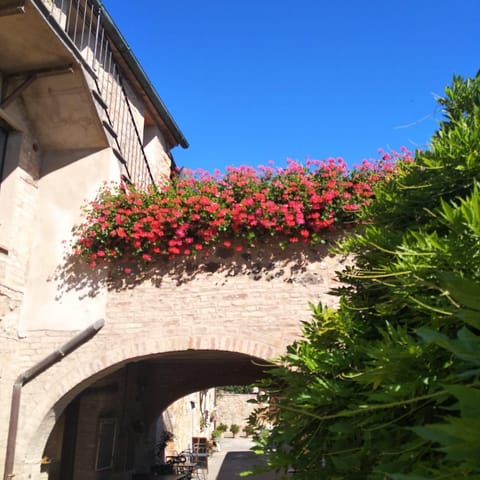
{"type": "Point", "coordinates": [90, 365]}
{"type": "Point", "coordinates": [251, 304]}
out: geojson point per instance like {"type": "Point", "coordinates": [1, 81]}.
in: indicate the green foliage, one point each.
{"type": "Point", "coordinates": [387, 386]}
{"type": "Point", "coordinates": [234, 428]}
{"type": "Point", "coordinates": [235, 389]}
{"type": "Point", "coordinates": [222, 428]}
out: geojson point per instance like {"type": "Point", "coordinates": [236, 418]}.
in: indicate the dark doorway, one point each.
{"type": "Point", "coordinates": [3, 149]}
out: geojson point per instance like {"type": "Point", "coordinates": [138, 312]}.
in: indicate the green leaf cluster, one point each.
{"type": "Point", "coordinates": [387, 386]}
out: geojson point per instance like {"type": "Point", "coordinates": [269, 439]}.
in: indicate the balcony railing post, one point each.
{"type": "Point", "coordinates": [83, 27]}
{"type": "Point", "coordinates": [97, 30]}
{"type": "Point", "coordinates": [76, 23]}
{"type": "Point", "coordinates": [69, 15]}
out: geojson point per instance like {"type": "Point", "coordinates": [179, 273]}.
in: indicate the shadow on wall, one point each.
{"type": "Point", "coordinates": [266, 262]}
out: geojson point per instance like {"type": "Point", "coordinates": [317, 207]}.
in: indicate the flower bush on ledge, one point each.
{"type": "Point", "coordinates": [243, 206]}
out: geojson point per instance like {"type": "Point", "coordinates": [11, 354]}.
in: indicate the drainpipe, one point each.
{"type": "Point", "coordinates": [28, 376]}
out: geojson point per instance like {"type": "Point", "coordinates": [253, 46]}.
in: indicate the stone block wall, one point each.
{"type": "Point", "coordinates": [233, 408]}
{"type": "Point", "coordinates": [18, 200]}
{"type": "Point", "coordinates": [40, 200]}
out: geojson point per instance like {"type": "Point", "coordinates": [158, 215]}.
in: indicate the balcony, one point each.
{"type": "Point", "coordinates": [63, 57]}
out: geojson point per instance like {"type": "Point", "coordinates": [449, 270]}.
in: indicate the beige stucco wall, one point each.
{"type": "Point", "coordinates": [156, 152]}
{"type": "Point", "coordinates": [51, 301]}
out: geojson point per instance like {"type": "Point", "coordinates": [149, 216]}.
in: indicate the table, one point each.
{"type": "Point", "coordinates": [185, 468]}
{"type": "Point", "coordinates": [161, 476]}
{"type": "Point", "coordinates": [170, 476]}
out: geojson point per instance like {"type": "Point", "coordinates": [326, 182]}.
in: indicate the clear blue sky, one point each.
{"type": "Point", "coordinates": [250, 81]}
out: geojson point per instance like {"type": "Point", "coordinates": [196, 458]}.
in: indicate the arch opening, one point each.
{"type": "Point", "coordinates": [112, 427]}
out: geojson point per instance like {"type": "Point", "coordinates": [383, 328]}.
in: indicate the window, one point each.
{"type": "Point", "coordinates": [105, 444]}
{"type": "Point", "coordinates": [3, 148]}
{"type": "Point", "coordinates": [10, 145]}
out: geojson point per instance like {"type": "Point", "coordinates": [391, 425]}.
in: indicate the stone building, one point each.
{"type": "Point", "coordinates": [89, 366]}
{"type": "Point", "coordinates": [76, 110]}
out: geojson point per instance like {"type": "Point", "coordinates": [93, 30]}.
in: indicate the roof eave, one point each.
{"type": "Point", "coordinates": [123, 48]}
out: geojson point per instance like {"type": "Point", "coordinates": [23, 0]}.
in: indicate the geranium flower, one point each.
{"type": "Point", "coordinates": [193, 214]}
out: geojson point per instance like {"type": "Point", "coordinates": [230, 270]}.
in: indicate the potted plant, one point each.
{"type": "Point", "coordinates": [222, 428]}
{"type": "Point", "coordinates": [215, 442]}
{"type": "Point", "coordinates": [234, 428]}
{"type": "Point", "coordinates": [249, 430]}
{"type": "Point", "coordinates": [164, 438]}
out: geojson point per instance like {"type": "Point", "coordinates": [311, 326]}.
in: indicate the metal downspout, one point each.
{"type": "Point", "coordinates": [29, 375]}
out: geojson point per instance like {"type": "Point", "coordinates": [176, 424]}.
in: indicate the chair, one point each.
{"type": "Point", "coordinates": [200, 451]}
{"type": "Point", "coordinates": [189, 465]}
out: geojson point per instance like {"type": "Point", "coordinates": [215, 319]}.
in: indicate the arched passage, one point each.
{"type": "Point", "coordinates": [134, 390]}
{"type": "Point", "coordinates": [250, 304]}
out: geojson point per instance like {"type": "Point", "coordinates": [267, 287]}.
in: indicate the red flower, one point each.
{"type": "Point", "coordinates": [352, 207]}
{"type": "Point", "coordinates": [244, 203]}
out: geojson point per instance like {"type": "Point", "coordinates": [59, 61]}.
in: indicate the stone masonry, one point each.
{"type": "Point", "coordinates": [224, 305]}
{"type": "Point", "coordinates": [252, 303]}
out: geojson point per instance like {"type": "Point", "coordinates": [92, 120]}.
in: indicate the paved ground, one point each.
{"type": "Point", "coordinates": [233, 458]}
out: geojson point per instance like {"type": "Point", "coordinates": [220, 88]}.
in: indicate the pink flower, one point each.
{"type": "Point", "coordinates": [289, 203]}
{"type": "Point", "coordinates": [127, 270]}
{"type": "Point", "coordinates": [352, 207]}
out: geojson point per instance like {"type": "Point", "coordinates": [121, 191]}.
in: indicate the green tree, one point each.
{"type": "Point", "coordinates": [386, 386]}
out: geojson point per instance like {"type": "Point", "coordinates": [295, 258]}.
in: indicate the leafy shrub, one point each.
{"type": "Point", "coordinates": [234, 428]}
{"type": "Point", "coordinates": [386, 387]}
{"type": "Point", "coordinates": [222, 428]}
